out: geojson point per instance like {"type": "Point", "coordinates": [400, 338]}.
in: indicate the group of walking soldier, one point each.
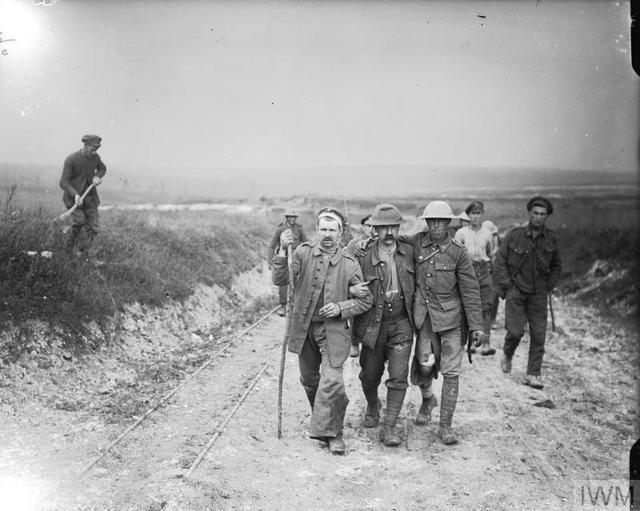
{"type": "Point", "coordinates": [432, 286]}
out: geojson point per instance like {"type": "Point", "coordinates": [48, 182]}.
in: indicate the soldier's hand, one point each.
{"type": "Point", "coordinates": [286, 239]}
{"type": "Point", "coordinates": [96, 181]}
{"type": "Point", "coordinates": [359, 290]}
{"type": "Point", "coordinates": [361, 248]}
{"type": "Point", "coordinates": [78, 200]}
{"type": "Point", "coordinates": [330, 310]}
{"type": "Point", "coordinates": [476, 336]}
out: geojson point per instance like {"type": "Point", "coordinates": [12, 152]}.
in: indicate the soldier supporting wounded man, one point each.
{"type": "Point", "coordinates": [446, 312]}
{"type": "Point", "coordinates": [317, 330]}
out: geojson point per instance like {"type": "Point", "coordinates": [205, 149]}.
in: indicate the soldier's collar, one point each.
{"type": "Point", "coordinates": [334, 258]}
{"type": "Point", "coordinates": [529, 230]}
{"type": "Point", "coordinates": [443, 245]}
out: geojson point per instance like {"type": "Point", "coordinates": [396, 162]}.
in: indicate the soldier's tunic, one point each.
{"type": "Point", "coordinates": [446, 303]}
{"type": "Point", "coordinates": [322, 345]}
{"type": "Point", "coordinates": [298, 237]}
{"type": "Point", "coordinates": [526, 269]}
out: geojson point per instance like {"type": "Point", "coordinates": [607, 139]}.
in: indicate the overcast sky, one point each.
{"type": "Point", "coordinates": [269, 84]}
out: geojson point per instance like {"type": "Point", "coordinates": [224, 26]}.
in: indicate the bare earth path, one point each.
{"type": "Point", "coordinates": [513, 454]}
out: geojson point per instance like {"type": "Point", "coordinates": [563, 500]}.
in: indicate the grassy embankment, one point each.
{"type": "Point", "coordinates": [149, 258]}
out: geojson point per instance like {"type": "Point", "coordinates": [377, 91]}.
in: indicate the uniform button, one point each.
{"type": "Point", "coordinates": [428, 275]}
{"type": "Point", "coordinates": [431, 262]}
{"type": "Point", "coordinates": [378, 320]}
{"type": "Point", "coordinates": [379, 306]}
{"type": "Point", "coordinates": [381, 292]}
{"type": "Point", "coordinates": [428, 287]}
{"type": "Point", "coordinates": [427, 301]}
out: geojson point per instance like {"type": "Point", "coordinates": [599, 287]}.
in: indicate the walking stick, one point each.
{"type": "Point", "coordinates": [283, 354]}
{"type": "Point", "coordinates": [553, 318]}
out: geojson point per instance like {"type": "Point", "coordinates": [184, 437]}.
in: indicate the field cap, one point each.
{"type": "Point", "coordinates": [538, 200]}
{"type": "Point", "coordinates": [290, 212]}
{"type": "Point", "coordinates": [474, 206]}
{"type": "Point", "coordinates": [92, 140]}
{"type": "Point", "coordinates": [438, 209]}
{"type": "Point", "coordinates": [334, 214]}
{"type": "Point", "coordinates": [386, 214]}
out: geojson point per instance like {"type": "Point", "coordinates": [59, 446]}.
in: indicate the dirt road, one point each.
{"type": "Point", "coordinates": [513, 453]}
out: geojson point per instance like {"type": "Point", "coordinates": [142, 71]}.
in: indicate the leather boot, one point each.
{"type": "Point", "coordinates": [447, 408]}
{"type": "Point", "coordinates": [372, 415]}
{"type": "Point", "coordinates": [388, 434]}
{"type": "Point", "coordinates": [427, 406]}
{"type": "Point", "coordinates": [486, 348]}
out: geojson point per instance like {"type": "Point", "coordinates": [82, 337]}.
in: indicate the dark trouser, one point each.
{"type": "Point", "coordinates": [323, 384]}
{"type": "Point", "coordinates": [483, 274]}
{"type": "Point", "coordinates": [520, 307]}
{"type": "Point", "coordinates": [282, 294]}
{"type": "Point", "coordinates": [85, 216]}
{"type": "Point", "coordinates": [393, 345]}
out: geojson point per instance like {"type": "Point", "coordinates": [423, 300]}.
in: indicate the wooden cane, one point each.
{"type": "Point", "coordinates": [283, 354]}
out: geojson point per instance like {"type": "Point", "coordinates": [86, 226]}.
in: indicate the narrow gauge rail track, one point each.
{"type": "Point", "coordinates": [166, 397]}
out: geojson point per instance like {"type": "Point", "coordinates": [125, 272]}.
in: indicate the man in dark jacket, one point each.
{"type": "Point", "coordinates": [386, 330]}
{"type": "Point", "coordinates": [317, 329]}
{"type": "Point", "coordinates": [527, 267]}
{"type": "Point", "coordinates": [290, 222]}
{"type": "Point", "coordinates": [80, 170]}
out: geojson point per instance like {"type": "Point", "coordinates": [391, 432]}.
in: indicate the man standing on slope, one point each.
{"type": "Point", "coordinates": [318, 331]}
{"type": "Point", "coordinates": [82, 169]}
{"type": "Point", "coordinates": [527, 268]}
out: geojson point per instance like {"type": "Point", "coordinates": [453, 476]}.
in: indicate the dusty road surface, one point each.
{"type": "Point", "coordinates": [519, 448]}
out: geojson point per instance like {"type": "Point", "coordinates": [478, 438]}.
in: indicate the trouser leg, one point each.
{"type": "Point", "coordinates": [92, 223]}
{"type": "Point", "coordinates": [282, 294]}
{"type": "Point", "coordinates": [330, 403]}
{"type": "Point", "coordinates": [537, 314]}
{"type": "Point", "coordinates": [309, 360]}
{"type": "Point", "coordinates": [515, 318]}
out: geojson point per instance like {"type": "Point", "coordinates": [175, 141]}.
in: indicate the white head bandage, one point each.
{"type": "Point", "coordinates": [331, 216]}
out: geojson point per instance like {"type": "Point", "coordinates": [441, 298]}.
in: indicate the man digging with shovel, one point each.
{"type": "Point", "coordinates": [82, 172]}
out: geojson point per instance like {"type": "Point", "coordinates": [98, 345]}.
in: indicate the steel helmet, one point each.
{"type": "Point", "coordinates": [438, 209]}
